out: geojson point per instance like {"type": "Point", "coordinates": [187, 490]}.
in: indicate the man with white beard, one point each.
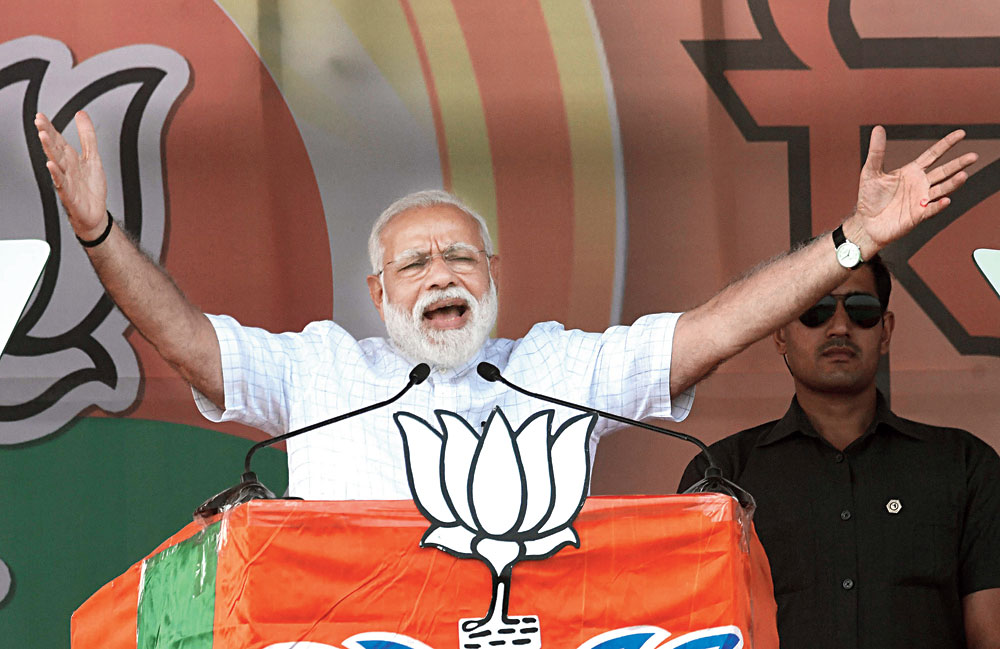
{"type": "Point", "coordinates": [444, 347]}
{"type": "Point", "coordinates": [433, 282]}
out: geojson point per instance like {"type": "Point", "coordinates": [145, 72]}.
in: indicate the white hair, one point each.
{"type": "Point", "coordinates": [423, 198]}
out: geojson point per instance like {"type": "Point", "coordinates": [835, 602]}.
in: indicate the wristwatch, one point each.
{"type": "Point", "coordinates": [848, 252]}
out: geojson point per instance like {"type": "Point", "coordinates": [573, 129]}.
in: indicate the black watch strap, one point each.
{"type": "Point", "coordinates": [838, 236]}
{"type": "Point", "coordinates": [848, 252]}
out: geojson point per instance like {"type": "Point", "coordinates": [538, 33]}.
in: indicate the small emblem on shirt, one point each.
{"type": "Point", "coordinates": [894, 506]}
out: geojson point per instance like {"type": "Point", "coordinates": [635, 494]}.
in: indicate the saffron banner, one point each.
{"type": "Point", "coordinates": [650, 572]}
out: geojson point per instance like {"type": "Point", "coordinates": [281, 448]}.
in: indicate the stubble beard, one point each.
{"type": "Point", "coordinates": [824, 377]}
{"type": "Point", "coordinates": [441, 348]}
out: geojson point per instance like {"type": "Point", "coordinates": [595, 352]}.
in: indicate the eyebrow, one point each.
{"type": "Point", "coordinates": [458, 245]}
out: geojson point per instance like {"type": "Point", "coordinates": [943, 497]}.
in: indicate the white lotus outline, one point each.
{"type": "Point", "coordinates": [501, 496]}
{"type": "Point", "coordinates": [69, 351]}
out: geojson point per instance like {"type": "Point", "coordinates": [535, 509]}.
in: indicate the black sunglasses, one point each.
{"type": "Point", "coordinates": [864, 310]}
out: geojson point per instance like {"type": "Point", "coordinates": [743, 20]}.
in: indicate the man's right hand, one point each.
{"type": "Point", "coordinates": [78, 177]}
{"type": "Point", "coordinates": [179, 331]}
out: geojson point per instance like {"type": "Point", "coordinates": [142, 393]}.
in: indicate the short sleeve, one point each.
{"type": "Point", "coordinates": [979, 555]}
{"type": "Point", "coordinates": [632, 372]}
{"type": "Point", "coordinates": [262, 371]}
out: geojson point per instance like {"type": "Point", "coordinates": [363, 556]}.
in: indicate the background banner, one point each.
{"type": "Point", "coordinates": [630, 157]}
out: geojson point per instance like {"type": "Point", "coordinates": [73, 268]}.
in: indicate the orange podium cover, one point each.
{"type": "Point", "coordinates": [650, 572]}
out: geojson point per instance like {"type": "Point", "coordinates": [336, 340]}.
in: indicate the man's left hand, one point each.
{"type": "Point", "coordinates": [891, 204]}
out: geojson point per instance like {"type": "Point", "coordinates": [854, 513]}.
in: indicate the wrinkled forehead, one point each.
{"type": "Point", "coordinates": [429, 229]}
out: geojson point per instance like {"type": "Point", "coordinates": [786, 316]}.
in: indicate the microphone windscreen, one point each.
{"type": "Point", "coordinates": [420, 373]}
{"type": "Point", "coordinates": [488, 371]}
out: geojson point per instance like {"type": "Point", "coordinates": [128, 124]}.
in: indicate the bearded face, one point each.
{"type": "Point", "coordinates": [435, 284]}
{"type": "Point", "coordinates": [416, 339]}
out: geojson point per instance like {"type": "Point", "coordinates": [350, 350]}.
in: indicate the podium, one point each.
{"type": "Point", "coordinates": [677, 572]}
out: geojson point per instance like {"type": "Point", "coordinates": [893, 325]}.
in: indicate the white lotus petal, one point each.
{"type": "Point", "coordinates": [546, 545]}
{"type": "Point", "coordinates": [533, 448]}
{"type": "Point", "coordinates": [499, 554]}
{"type": "Point", "coordinates": [570, 469]}
{"type": "Point", "coordinates": [455, 538]}
{"type": "Point", "coordinates": [460, 443]}
{"type": "Point", "coordinates": [423, 447]}
{"type": "Point", "coordinates": [497, 483]}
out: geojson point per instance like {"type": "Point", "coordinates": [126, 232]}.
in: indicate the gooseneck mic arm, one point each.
{"type": "Point", "coordinates": [417, 376]}
{"type": "Point", "coordinates": [713, 479]}
{"type": "Point", "coordinates": [490, 372]}
{"type": "Point", "coordinates": [250, 488]}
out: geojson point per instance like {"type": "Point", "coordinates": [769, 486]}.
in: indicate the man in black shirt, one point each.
{"type": "Point", "coordinates": [881, 532]}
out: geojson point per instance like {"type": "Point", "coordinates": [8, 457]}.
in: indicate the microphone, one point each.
{"type": "Point", "coordinates": [713, 480]}
{"type": "Point", "coordinates": [250, 488]}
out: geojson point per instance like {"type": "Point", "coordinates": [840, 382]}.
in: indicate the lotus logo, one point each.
{"type": "Point", "coordinates": [636, 637]}
{"type": "Point", "coordinates": [68, 351]}
{"type": "Point", "coordinates": [500, 496]}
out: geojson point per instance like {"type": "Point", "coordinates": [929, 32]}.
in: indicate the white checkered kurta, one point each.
{"type": "Point", "coordinates": [281, 382]}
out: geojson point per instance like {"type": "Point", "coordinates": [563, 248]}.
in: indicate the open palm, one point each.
{"type": "Point", "coordinates": [78, 177]}
{"type": "Point", "coordinates": [891, 204]}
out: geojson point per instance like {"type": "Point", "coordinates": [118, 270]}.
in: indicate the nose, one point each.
{"type": "Point", "coordinates": [840, 323]}
{"type": "Point", "coordinates": [439, 274]}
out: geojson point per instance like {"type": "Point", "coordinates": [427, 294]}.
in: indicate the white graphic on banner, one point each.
{"type": "Point", "coordinates": [501, 496]}
{"type": "Point", "coordinates": [68, 351]}
{"type": "Point", "coordinates": [5, 581]}
{"type": "Point", "coordinates": [635, 637]}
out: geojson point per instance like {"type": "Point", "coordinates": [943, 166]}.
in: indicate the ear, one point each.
{"type": "Point", "coordinates": [375, 290]}
{"type": "Point", "coordinates": [888, 324]}
{"type": "Point", "coordinates": [780, 337]}
{"type": "Point", "coordinates": [495, 270]}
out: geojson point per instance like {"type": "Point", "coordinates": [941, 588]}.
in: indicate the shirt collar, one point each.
{"type": "Point", "coordinates": [795, 422]}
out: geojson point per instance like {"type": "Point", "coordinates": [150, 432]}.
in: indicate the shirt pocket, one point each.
{"type": "Point", "coordinates": [926, 545]}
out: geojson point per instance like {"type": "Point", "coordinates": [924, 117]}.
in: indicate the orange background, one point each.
{"type": "Point", "coordinates": [246, 233]}
{"type": "Point", "coordinates": [620, 173]}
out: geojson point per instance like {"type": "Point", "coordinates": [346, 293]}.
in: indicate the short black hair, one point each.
{"type": "Point", "coordinates": [883, 280]}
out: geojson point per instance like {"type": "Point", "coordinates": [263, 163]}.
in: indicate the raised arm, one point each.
{"type": "Point", "coordinates": [147, 296]}
{"type": "Point", "coordinates": [889, 206]}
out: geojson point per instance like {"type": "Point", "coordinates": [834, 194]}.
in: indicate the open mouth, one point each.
{"type": "Point", "coordinates": [446, 314]}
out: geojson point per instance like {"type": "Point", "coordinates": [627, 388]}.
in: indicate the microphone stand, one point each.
{"type": "Point", "coordinates": [713, 480]}
{"type": "Point", "coordinates": [251, 488]}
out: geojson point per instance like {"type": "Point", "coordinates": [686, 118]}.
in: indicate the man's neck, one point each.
{"type": "Point", "coordinates": [838, 418]}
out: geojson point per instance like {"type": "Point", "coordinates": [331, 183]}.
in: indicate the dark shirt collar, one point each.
{"type": "Point", "coordinates": [795, 422]}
